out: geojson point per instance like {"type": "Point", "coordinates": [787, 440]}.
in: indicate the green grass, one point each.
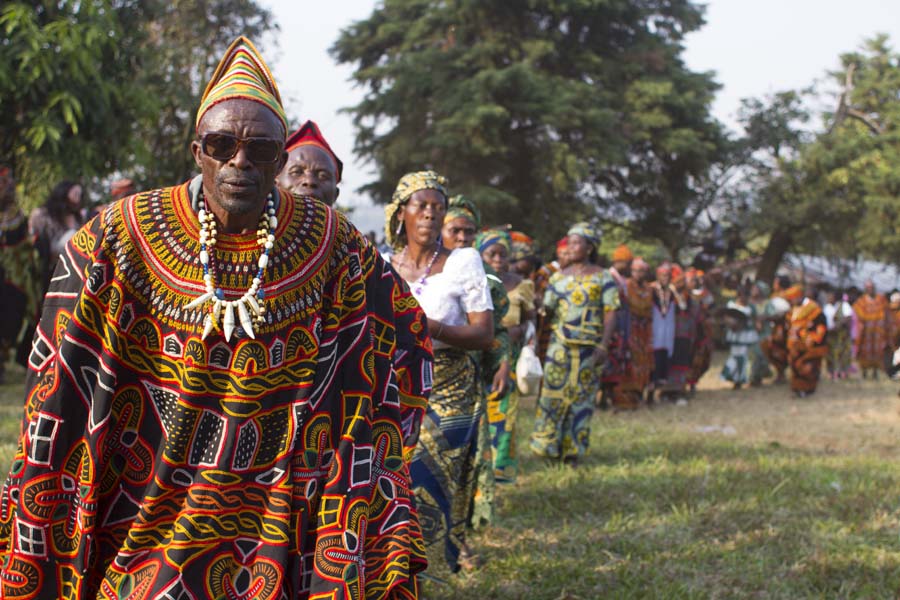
{"type": "Point", "coordinates": [656, 514]}
{"type": "Point", "coordinates": [659, 511]}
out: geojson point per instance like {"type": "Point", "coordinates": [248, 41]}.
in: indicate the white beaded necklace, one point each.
{"type": "Point", "coordinates": [252, 301]}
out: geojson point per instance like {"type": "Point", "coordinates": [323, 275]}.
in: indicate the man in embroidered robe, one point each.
{"type": "Point", "coordinates": [171, 449]}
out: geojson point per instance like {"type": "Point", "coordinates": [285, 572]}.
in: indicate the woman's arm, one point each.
{"type": "Point", "coordinates": [477, 334]}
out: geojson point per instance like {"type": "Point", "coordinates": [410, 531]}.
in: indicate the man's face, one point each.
{"type": "Point", "coordinates": [622, 266]}
{"type": "Point", "coordinates": [310, 172]}
{"type": "Point", "coordinates": [664, 276]}
{"type": "Point", "coordinates": [238, 185]}
{"type": "Point", "coordinates": [870, 288]}
{"type": "Point", "coordinates": [458, 233]}
{"type": "Point", "coordinates": [639, 272]}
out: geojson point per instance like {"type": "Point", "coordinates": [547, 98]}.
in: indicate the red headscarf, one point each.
{"type": "Point", "coordinates": [309, 134]}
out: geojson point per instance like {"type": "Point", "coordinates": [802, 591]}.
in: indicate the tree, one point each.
{"type": "Point", "coordinates": [545, 112]}
{"type": "Point", "coordinates": [775, 134]}
{"type": "Point", "coordinates": [856, 162]}
{"type": "Point", "coordinates": [67, 108]}
{"type": "Point", "coordinates": [833, 192]}
{"type": "Point", "coordinates": [182, 42]}
{"type": "Point", "coordinates": [92, 88]}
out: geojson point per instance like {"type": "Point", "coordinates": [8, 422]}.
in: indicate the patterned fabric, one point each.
{"type": "Point", "coordinates": [740, 336]}
{"type": "Point", "coordinates": [578, 304]}
{"type": "Point", "coordinates": [629, 390]}
{"type": "Point", "coordinates": [460, 206]}
{"type": "Point", "coordinates": [408, 185]}
{"type": "Point", "coordinates": [774, 347]}
{"type": "Point", "coordinates": [242, 74]}
{"type": "Point", "coordinates": [874, 334]}
{"type": "Point", "coordinates": [839, 351]}
{"type": "Point", "coordinates": [155, 464]}
{"type": "Point", "coordinates": [487, 362]}
{"type": "Point", "coordinates": [703, 347]}
{"type": "Point", "coordinates": [503, 410]}
{"type": "Point", "coordinates": [448, 462]}
{"type": "Point", "coordinates": [309, 135]}
{"type": "Point", "coordinates": [522, 246]}
{"type": "Point", "coordinates": [806, 346]}
{"type": "Point", "coordinates": [587, 231]}
{"type": "Point", "coordinates": [618, 350]}
{"type": "Point", "coordinates": [487, 238]}
{"type": "Point", "coordinates": [541, 279]}
{"type": "Point", "coordinates": [443, 466]}
{"type": "Point", "coordinates": [687, 321]}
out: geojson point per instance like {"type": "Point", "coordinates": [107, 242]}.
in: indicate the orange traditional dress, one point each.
{"type": "Point", "coordinates": [636, 376]}
{"type": "Point", "coordinates": [874, 331]}
{"type": "Point", "coordinates": [806, 346]}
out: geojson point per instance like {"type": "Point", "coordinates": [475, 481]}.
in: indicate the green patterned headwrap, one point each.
{"type": "Point", "coordinates": [522, 246]}
{"type": "Point", "coordinates": [460, 206]}
{"type": "Point", "coordinates": [408, 185]}
{"type": "Point", "coordinates": [587, 231]}
{"type": "Point", "coordinates": [489, 237]}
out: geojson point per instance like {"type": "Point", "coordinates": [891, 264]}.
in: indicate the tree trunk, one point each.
{"type": "Point", "coordinates": [778, 245]}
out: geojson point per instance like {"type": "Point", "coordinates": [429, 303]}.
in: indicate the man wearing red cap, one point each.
{"type": "Point", "coordinates": [312, 169]}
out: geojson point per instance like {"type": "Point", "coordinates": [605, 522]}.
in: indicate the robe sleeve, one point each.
{"type": "Point", "coordinates": [50, 506]}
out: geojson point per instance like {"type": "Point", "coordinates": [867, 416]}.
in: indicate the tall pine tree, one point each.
{"type": "Point", "coordinates": [545, 112]}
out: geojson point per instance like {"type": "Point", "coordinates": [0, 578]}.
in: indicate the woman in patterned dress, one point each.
{"type": "Point", "coordinates": [452, 289]}
{"type": "Point", "coordinates": [629, 391]}
{"type": "Point", "coordinates": [874, 338]}
{"type": "Point", "coordinates": [495, 247]}
{"type": "Point", "coordinates": [579, 304]}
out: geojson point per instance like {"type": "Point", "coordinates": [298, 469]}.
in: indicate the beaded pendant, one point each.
{"type": "Point", "coordinates": [226, 313]}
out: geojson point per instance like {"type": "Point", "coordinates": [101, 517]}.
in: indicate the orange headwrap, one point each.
{"type": "Point", "coordinates": [563, 243]}
{"type": "Point", "coordinates": [677, 273]}
{"type": "Point", "coordinates": [795, 292]}
{"type": "Point", "coordinates": [622, 253]}
{"type": "Point", "coordinates": [309, 134]}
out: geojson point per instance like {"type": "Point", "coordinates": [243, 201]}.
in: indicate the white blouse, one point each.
{"type": "Point", "coordinates": [459, 289]}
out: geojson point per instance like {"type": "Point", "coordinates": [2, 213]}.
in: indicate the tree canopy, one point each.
{"type": "Point", "coordinates": [544, 112]}
{"type": "Point", "coordinates": [94, 88]}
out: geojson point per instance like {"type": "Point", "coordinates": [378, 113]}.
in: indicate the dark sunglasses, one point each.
{"type": "Point", "coordinates": [222, 147]}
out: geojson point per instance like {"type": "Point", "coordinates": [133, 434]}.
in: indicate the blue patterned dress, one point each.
{"type": "Point", "coordinates": [578, 304]}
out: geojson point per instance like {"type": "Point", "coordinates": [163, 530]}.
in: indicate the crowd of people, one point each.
{"type": "Point", "coordinates": [233, 392]}
{"type": "Point", "coordinates": [607, 331]}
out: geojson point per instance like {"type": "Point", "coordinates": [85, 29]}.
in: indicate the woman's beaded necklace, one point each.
{"type": "Point", "coordinates": [421, 283]}
{"type": "Point", "coordinates": [222, 310]}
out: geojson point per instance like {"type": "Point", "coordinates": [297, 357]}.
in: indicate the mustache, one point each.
{"type": "Point", "coordinates": [236, 177]}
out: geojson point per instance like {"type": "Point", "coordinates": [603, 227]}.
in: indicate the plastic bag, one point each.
{"type": "Point", "coordinates": [528, 372]}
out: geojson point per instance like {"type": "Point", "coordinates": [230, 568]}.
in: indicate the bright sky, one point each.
{"type": "Point", "coordinates": [755, 48]}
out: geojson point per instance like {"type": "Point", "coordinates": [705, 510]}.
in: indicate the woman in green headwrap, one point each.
{"type": "Point", "coordinates": [580, 304]}
{"type": "Point", "coordinates": [452, 289]}
{"type": "Point", "coordinates": [461, 223]}
{"type": "Point", "coordinates": [495, 248]}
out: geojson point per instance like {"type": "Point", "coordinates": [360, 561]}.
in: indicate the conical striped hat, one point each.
{"type": "Point", "coordinates": [242, 73]}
